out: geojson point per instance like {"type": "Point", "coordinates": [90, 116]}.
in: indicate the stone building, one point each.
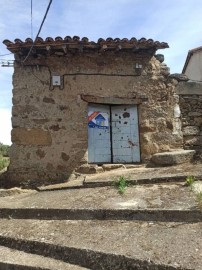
{"type": "Point", "coordinates": [77, 102]}
{"type": "Point", "coordinates": [190, 100]}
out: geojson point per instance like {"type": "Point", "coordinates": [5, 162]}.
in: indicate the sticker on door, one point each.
{"type": "Point", "coordinates": [98, 120]}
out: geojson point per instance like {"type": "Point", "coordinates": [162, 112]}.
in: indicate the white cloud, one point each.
{"type": "Point", "coordinates": [5, 126]}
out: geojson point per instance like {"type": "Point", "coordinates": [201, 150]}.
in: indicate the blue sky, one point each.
{"type": "Point", "coordinates": [177, 22]}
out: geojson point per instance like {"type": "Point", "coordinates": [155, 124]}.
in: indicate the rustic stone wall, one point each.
{"type": "Point", "coordinates": [191, 108]}
{"type": "Point", "coordinates": [50, 124]}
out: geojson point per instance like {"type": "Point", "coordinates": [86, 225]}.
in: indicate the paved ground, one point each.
{"type": "Point", "coordinates": [97, 228]}
{"type": "Point", "coordinates": [170, 196]}
{"type": "Point", "coordinates": [11, 259]}
{"type": "Point", "coordinates": [171, 244]}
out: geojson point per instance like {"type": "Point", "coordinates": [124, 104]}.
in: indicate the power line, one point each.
{"type": "Point", "coordinates": [6, 59]}
{"type": "Point", "coordinates": [31, 22]}
{"type": "Point", "coordinates": [5, 54]}
{"type": "Point", "coordinates": [50, 2]}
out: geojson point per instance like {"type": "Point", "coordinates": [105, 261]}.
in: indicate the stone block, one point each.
{"type": "Point", "coordinates": [189, 88]}
{"type": "Point", "coordinates": [149, 149]}
{"type": "Point", "coordinates": [190, 130]}
{"type": "Point", "coordinates": [48, 100]}
{"type": "Point", "coordinates": [87, 169]}
{"type": "Point", "coordinates": [34, 136]}
{"type": "Point", "coordinates": [109, 167]}
{"type": "Point", "coordinates": [147, 126]}
{"type": "Point", "coordinates": [194, 114]}
{"type": "Point", "coordinates": [23, 110]}
{"type": "Point", "coordinates": [173, 158]}
{"type": "Point", "coordinates": [193, 140]}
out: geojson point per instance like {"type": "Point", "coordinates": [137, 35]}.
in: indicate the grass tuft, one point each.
{"type": "Point", "coordinates": [121, 184]}
{"type": "Point", "coordinates": [190, 180]}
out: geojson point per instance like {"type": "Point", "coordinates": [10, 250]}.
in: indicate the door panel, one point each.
{"type": "Point", "coordinates": [125, 134]}
{"type": "Point", "coordinates": [99, 145]}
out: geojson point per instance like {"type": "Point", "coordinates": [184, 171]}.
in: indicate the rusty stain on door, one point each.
{"type": "Point", "coordinates": [118, 141]}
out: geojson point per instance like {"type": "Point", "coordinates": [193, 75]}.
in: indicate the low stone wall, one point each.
{"type": "Point", "coordinates": [190, 94]}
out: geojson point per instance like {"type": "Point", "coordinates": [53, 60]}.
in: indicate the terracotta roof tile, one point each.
{"type": "Point", "coordinates": [19, 46]}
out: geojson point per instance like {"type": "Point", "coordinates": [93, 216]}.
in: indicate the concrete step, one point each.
{"type": "Point", "coordinates": [163, 202]}
{"type": "Point", "coordinates": [139, 175]}
{"type": "Point", "coordinates": [13, 259]}
{"type": "Point", "coordinates": [108, 244]}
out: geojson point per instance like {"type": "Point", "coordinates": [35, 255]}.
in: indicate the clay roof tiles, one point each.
{"type": "Point", "coordinates": [77, 42]}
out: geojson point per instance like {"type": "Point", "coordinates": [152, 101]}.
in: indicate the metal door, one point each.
{"type": "Point", "coordinates": [99, 143]}
{"type": "Point", "coordinates": [125, 134]}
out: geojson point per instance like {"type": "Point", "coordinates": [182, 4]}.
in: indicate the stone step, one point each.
{"type": "Point", "coordinates": [139, 175]}
{"type": "Point", "coordinates": [108, 244]}
{"type": "Point", "coordinates": [162, 202]}
{"type": "Point", "coordinates": [91, 182]}
{"type": "Point", "coordinates": [93, 168]}
{"type": "Point", "coordinates": [13, 259]}
{"type": "Point", "coordinates": [160, 215]}
{"type": "Point", "coordinates": [173, 158]}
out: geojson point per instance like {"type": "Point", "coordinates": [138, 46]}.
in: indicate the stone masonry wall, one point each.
{"type": "Point", "coordinates": [50, 134]}
{"type": "Point", "coordinates": [191, 108]}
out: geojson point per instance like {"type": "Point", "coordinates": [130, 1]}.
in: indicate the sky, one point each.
{"type": "Point", "coordinates": [178, 23]}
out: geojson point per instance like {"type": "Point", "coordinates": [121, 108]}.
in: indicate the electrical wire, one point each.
{"type": "Point", "coordinates": [31, 22]}
{"type": "Point", "coordinates": [50, 2]}
{"type": "Point", "coordinates": [5, 54]}
{"type": "Point", "coordinates": [1, 59]}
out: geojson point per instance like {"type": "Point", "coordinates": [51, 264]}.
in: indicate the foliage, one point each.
{"type": "Point", "coordinates": [4, 162]}
{"type": "Point", "coordinates": [4, 150]}
{"type": "Point", "coordinates": [190, 180]}
{"type": "Point", "coordinates": [121, 184]}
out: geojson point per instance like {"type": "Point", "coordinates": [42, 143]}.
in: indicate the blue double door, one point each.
{"type": "Point", "coordinates": [113, 135]}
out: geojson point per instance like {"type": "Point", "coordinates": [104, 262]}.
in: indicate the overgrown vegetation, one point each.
{"type": "Point", "coordinates": [4, 156]}
{"type": "Point", "coordinates": [4, 150]}
{"type": "Point", "coordinates": [121, 184]}
{"type": "Point", "coordinates": [4, 162]}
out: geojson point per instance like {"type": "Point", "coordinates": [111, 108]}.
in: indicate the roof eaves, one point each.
{"type": "Point", "coordinates": [76, 42]}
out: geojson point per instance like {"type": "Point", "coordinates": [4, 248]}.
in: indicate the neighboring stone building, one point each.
{"type": "Point", "coordinates": [193, 65]}
{"type": "Point", "coordinates": [77, 102]}
{"type": "Point", "coordinates": [190, 100]}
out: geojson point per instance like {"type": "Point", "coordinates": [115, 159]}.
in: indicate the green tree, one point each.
{"type": "Point", "coordinates": [4, 150]}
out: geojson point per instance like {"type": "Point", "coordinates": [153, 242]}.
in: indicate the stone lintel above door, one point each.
{"type": "Point", "coordinates": [113, 100]}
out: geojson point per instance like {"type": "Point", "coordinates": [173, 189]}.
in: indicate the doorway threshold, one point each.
{"type": "Point", "coordinates": [92, 168]}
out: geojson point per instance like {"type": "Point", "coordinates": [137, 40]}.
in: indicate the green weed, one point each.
{"type": "Point", "coordinates": [121, 184]}
{"type": "Point", "coordinates": [190, 180]}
